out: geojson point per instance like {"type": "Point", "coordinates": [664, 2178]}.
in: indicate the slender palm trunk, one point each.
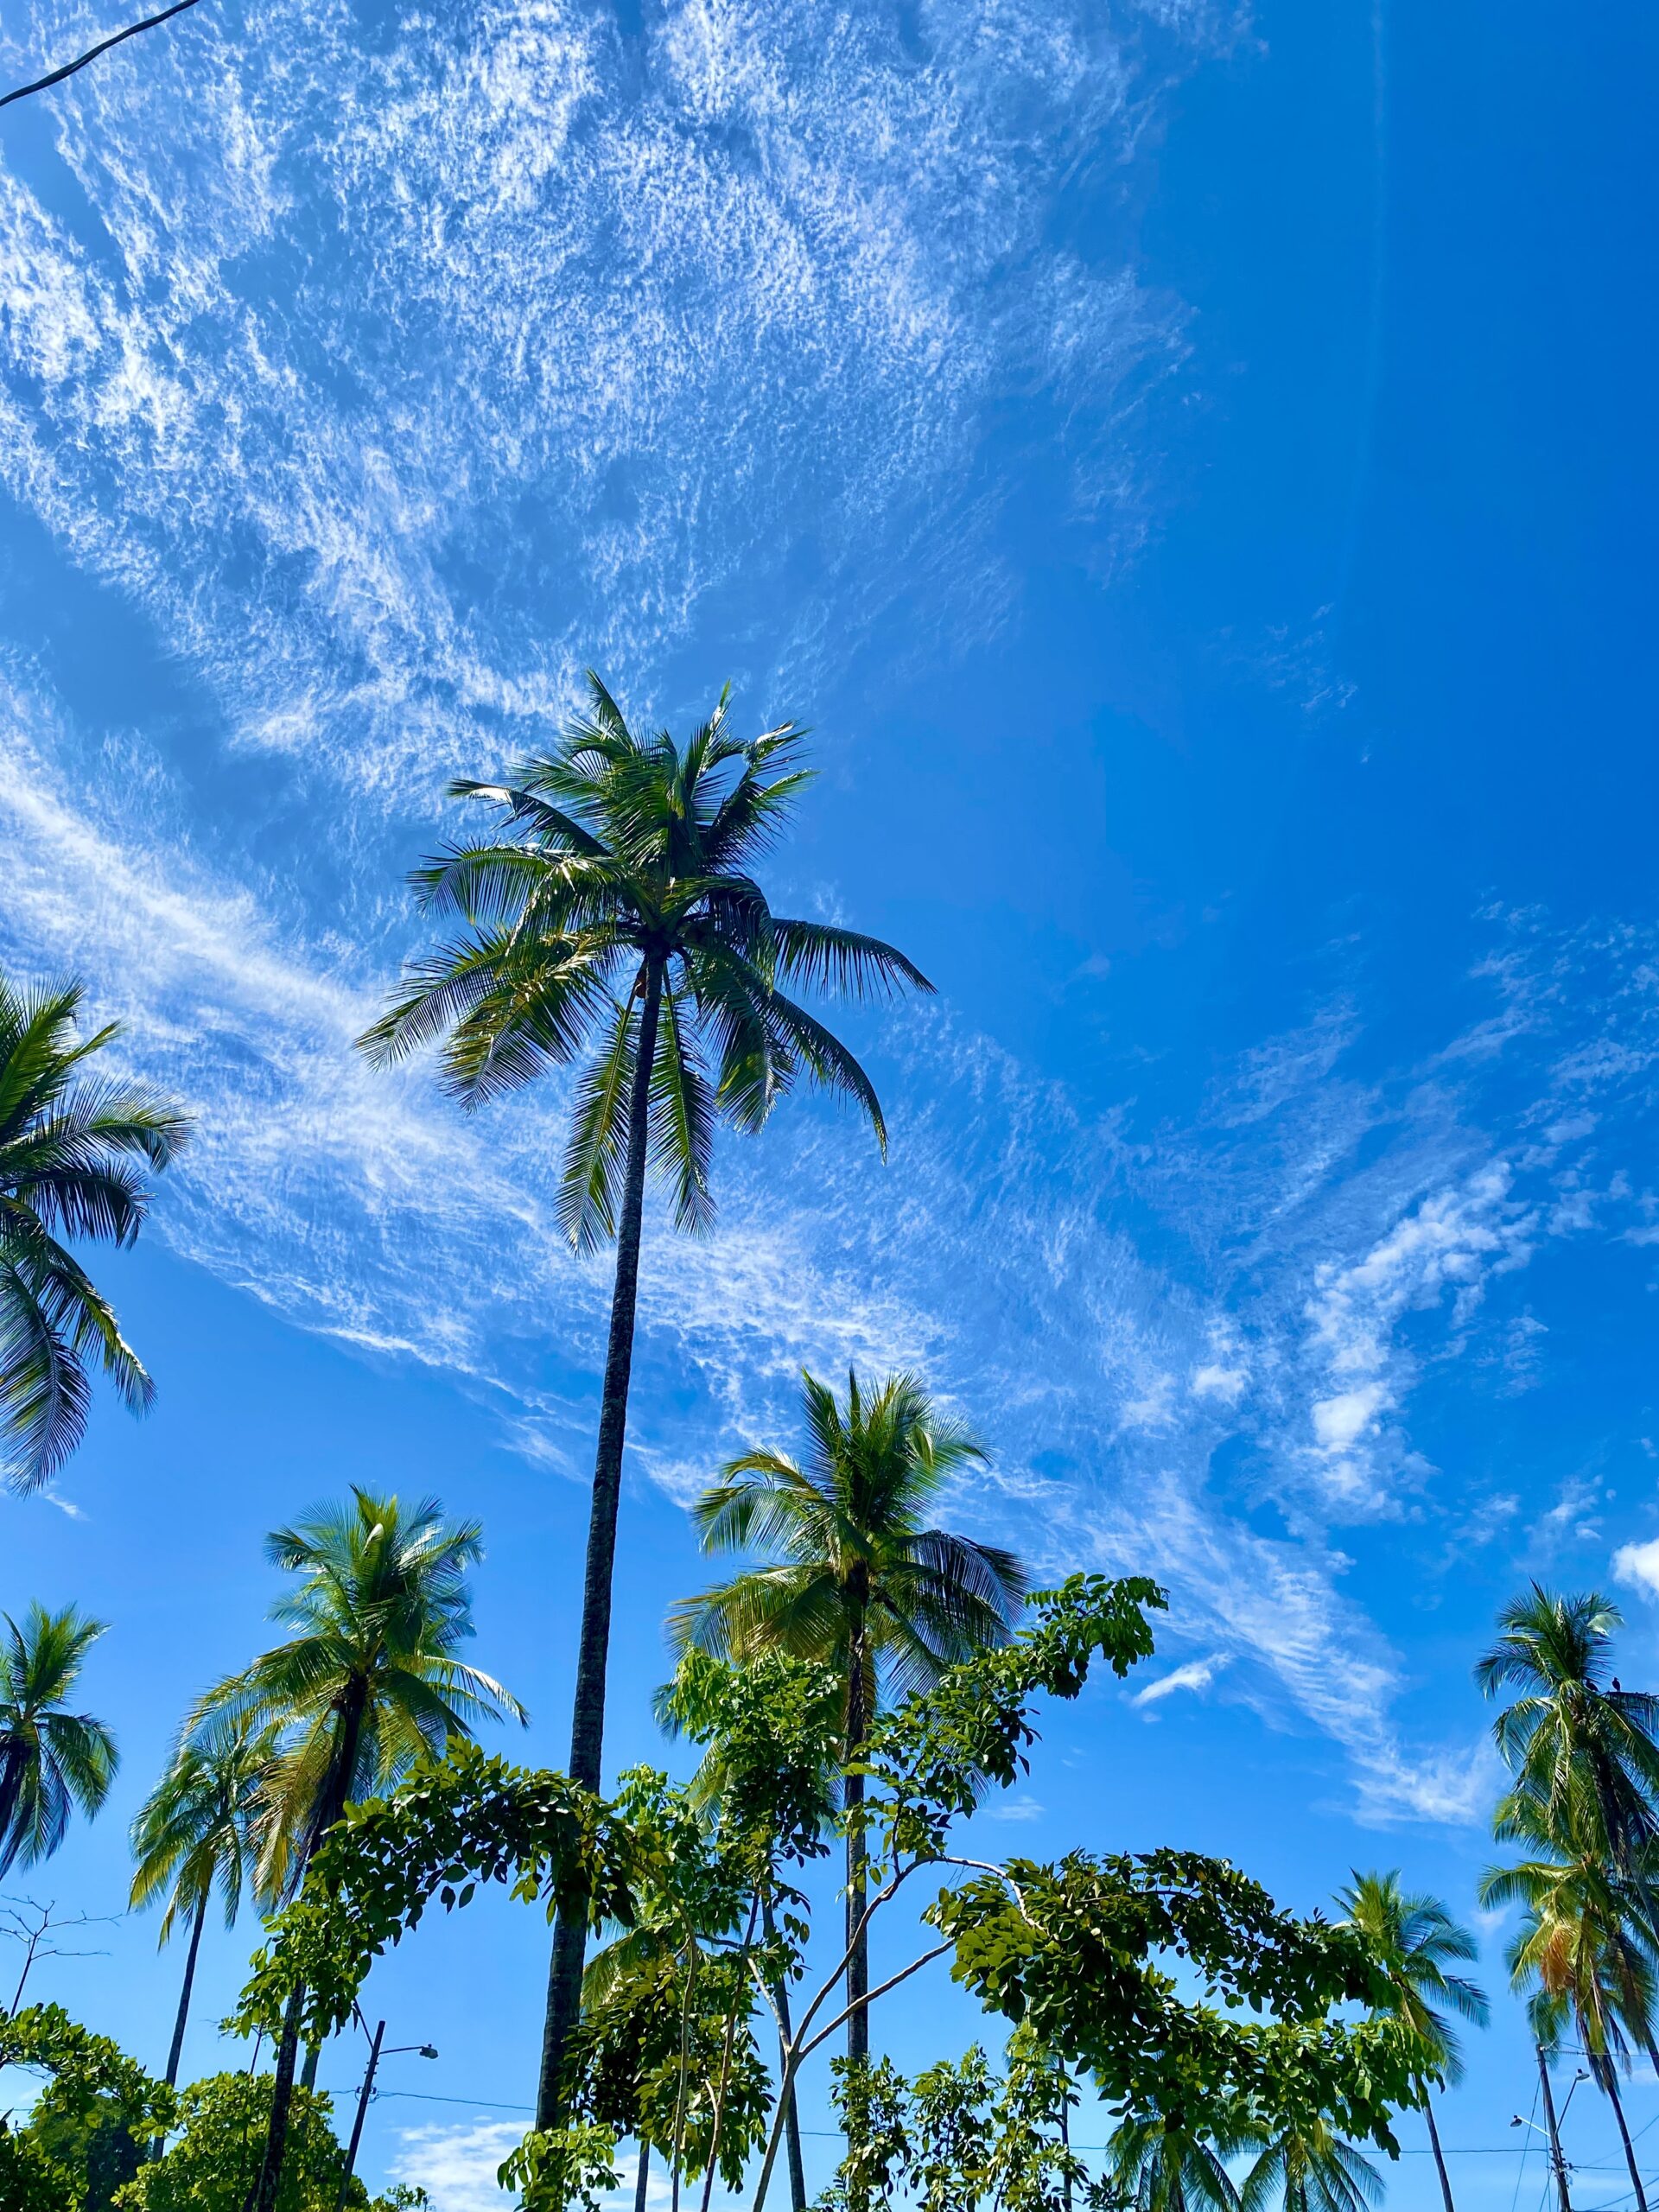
{"type": "Point", "coordinates": [1557, 2162]}
{"type": "Point", "coordinates": [1439, 2156]}
{"type": "Point", "coordinates": [587, 1714]}
{"type": "Point", "coordinates": [1611, 2085]}
{"type": "Point", "coordinates": [792, 2110]}
{"type": "Point", "coordinates": [176, 2052]}
{"type": "Point", "coordinates": [858, 1942]}
{"type": "Point", "coordinates": [12, 1769]}
{"type": "Point", "coordinates": [331, 1804]}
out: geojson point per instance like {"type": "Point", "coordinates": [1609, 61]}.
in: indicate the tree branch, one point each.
{"type": "Point", "coordinates": [861, 2003]}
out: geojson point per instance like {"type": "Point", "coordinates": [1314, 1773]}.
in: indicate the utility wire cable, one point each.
{"type": "Point", "coordinates": [57, 76]}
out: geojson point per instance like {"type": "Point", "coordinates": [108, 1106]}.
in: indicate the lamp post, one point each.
{"type": "Point", "coordinates": [1552, 2135]}
{"type": "Point", "coordinates": [376, 2054]}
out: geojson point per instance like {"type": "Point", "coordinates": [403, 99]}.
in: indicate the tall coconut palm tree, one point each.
{"type": "Point", "coordinates": [612, 922]}
{"type": "Point", "coordinates": [198, 1830]}
{"type": "Point", "coordinates": [1416, 1942]}
{"type": "Point", "coordinates": [858, 1580]}
{"type": "Point", "coordinates": [1309, 2167]}
{"type": "Point", "coordinates": [366, 1685]}
{"type": "Point", "coordinates": [73, 1149]}
{"type": "Point", "coordinates": [50, 1759]}
{"type": "Point", "coordinates": [1572, 1729]}
{"type": "Point", "coordinates": [1584, 1952]}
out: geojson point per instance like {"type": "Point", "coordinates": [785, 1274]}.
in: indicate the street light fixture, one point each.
{"type": "Point", "coordinates": [376, 2054]}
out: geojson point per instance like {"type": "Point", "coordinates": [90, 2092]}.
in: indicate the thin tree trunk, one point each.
{"type": "Point", "coordinates": [263, 2196]}
{"type": "Point", "coordinates": [1557, 2161]}
{"type": "Point", "coordinates": [1611, 2087]}
{"type": "Point", "coordinates": [177, 2052]}
{"type": "Point", "coordinates": [1439, 2156]}
{"type": "Point", "coordinates": [792, 2111]}
{"type": "Point", "coordinates": [331, 1803]}
{"type": "Point", "coordinates": [11, 1789]}
{"type": "Point", "coordinates": [858, 1942]}
{"type": "Point", "coordinates": [588, 1714]}
{"type": "Point", "coordinates": [642, 2178]}
{"type": "Point", "coordinates": [726, 2069]}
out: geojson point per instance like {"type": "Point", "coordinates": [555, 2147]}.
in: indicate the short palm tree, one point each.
{"type": "Point", "coordinates": [50, 1759]}
{"type": "Point", "coordinates": [1585, 1948]}
{"type": "Point", "coordinates": [367, 1684]}
{"type": "Point", "coordinates": [73, 1149]}
{"type": "Point", "coordinates": [1309, 2167]}
{"type": "Point", "coordinates": [1166, 2166]}
{"type": "Point", "coordinates": [859, 1581]}
{"type": "Point", "coordinates": [612, 922]}
{"type": "Point", "coordinates": [198, 1830]}
{"type": "Point", "coordinates": [1573, 1730]}
{"type": "Point", "coordinates": [1416, 1942]}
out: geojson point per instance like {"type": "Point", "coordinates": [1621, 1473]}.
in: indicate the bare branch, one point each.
{"type": "Point", "coordinates": [860, 2003]}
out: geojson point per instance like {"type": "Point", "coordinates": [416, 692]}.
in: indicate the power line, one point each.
{"type": "Point", "coordinates": [57, 76]}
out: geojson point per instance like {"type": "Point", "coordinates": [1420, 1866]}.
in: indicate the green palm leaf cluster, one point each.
{"type": "Point", "coordinates": [51, 1759]}
{"type": "Point", "coordinates": [1169, 2165]}
{"type": "Point", "coordinates": [856, 1577]}
{"type": "Point", "coordinates": [857, 1580]}
{"type": "Point", "coordinates": [199, 1831]}
{"type": "Point", "coordinates": [614, 922]}
{"type": "Point", "coordinates": [77, 1150]}
{"type": "Point", "coordinates": [367, 1682]}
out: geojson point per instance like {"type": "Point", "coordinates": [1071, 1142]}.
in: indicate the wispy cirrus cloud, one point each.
{"type": "Point", "coordinates": [347, 314]}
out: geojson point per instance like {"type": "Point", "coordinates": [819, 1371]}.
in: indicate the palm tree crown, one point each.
{"type": "Point", "coordinates": [859, 1582]}
{"type": "Point", "coordinates": [1310, 2168]}
{"type": "Point", "coordinates": [72, 1153]}
{"type": "Point", "coordinates": [368, 1683]}
{"type": "Point", "coordinates": [1416, 1942]}
{"type": "Point", "coordinates": [199, 1828]}
{"type": "Point", "coordinates": [613, 918]}
{"type": "Point", "coordinates": [50, 1759]}
{"type": "Point", "coordinates": [1584, 1947]}
{"type": "Point", "coordinates": [1572, 1729]}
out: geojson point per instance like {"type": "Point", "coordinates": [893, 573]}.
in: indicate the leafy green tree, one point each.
{"type": "Point", "coordinates": [858, 1579]}
{"type": "Point", "coordinates": [210, 2167]}
{"type": "Point", "coordinates": [612, 922]}
{"type": "Point", "coordinates": [89, 2122]}
{"type": "Point", "coordinates": [198, 1830]}
{"type": "Point", "coordinates": [50, 1759]}
{"type": "Point", "coordinates": [366, 1686]}
{"type": "Point", "coordinates": [1307, 2167]}
{"type": "Point", "coordinates": [1418, 1944]}
{"type": "Point", "coordinates": [771, 1730]}
{"type": "Point", "coordinates": [73, 1149]}
{"type": "Point", "coordinates": [1573, 1730]}
{"type": "Point", "coordinates": [1584, 1953]}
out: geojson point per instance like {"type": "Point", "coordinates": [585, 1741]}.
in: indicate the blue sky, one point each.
{"type": "Point", "coordinates": [1192, 468]}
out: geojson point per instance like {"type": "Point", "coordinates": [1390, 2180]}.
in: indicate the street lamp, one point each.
{"type": "Point", "coordinates": [376, 2054]}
